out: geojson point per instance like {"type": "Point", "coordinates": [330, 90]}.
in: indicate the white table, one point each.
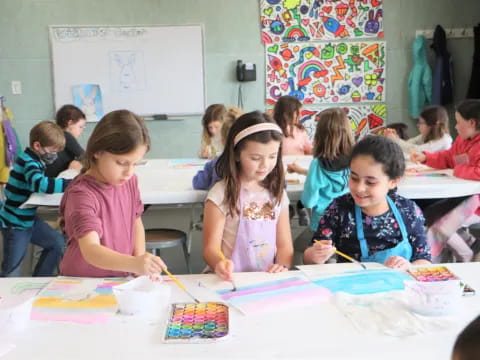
{"type": "Point", "coordinates": [162, 184]}
{"type": "Point", "coordinates": [316, 331]}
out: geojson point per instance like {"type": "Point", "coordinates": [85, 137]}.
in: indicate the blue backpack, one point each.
{"type": "Point", "coordinates": [11, 145]}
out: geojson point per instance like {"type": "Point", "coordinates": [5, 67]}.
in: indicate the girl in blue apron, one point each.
{"type": "Point", "coordinates": [373, 223]}
{"type": "Point", "coordinates": [246, 212]}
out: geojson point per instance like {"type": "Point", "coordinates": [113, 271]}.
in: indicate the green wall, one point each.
{"type": "Point", "coordinates": [231, 32]}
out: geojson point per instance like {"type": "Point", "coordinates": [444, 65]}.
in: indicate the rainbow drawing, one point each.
{"type": "Point", "coordinates": [312, 66]}
{"type": "Point", "coordinates": [190, 322]}
{"type": "Point", "coordinates": [295, 33]}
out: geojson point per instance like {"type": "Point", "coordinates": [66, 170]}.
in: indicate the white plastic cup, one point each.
{"type": "Point", "coordinates": [435, 298]}
{"type": "Point", "coordinates": [142, 296]}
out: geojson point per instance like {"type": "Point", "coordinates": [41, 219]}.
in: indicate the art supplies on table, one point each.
{"type": "Point", "coordinates": [197, 323]}
{"type": "Point", "coordinates": [186, 163]}
{"type": "Point", "coordinates": [438, 273]}
{"type": "Point", "coordinates": [274, 295]}
{"type": "Point", "coordinates": [432, 174]}
{"type": "Point", "coordinates": [180, 285]}
{"type": "Point", "coordinates": [79, 300]}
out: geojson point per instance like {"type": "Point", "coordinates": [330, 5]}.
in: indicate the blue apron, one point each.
{"type": "Point", "coordinates": [403, 248]}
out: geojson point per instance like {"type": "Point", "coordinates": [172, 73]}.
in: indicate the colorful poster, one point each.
{"type": "Point", "coordinates": [364, 119]}
{"type": "Point", "coordinates": [341, 72]}
{"type": "Point", "coordinates": [308, 20]}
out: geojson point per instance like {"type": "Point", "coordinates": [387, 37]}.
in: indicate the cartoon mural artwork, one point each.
{"type": "Point", "coordinates": [309, 20]}
{"type": "Point", "coordinates": [316, 73]}
{"type": "Point", "coordinates": [364, 119]}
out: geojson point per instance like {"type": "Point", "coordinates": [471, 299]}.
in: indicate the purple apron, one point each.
{"type": "Point", "coordinates": [255, 245]}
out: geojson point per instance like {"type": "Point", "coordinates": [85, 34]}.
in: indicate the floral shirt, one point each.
{"type": "Point", "coordinates": [381, 232]}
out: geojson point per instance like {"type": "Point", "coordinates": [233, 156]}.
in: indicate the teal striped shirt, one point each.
{"type": "Point", "coordinates": [26, 177]}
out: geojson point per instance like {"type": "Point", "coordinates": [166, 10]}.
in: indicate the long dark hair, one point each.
{"type": "Point", "coordinates": [384, 151]}
{"type": "Point", "coordinates": [228, 165]}
{"type": "Point", "coordinates": [284, 112]}
{"type": "Point", "coordinates": [118, 132]}
{"type": "Point", "coordinates": [470, 110]}
{"type": "Point", "coordinates": [436, 117]}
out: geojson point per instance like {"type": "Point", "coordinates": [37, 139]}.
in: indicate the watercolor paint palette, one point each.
{"type": "Point", "coordinates": [197, 323]}
{"type": "Point", "coordinates": [438, 273]}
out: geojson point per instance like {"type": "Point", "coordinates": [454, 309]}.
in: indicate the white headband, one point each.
{"type": "Point", "coordinates": [254, 129]}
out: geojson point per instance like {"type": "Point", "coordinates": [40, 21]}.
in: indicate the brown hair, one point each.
{"type": "Point", "coordinates": [118, 132]}
{"type": "Point", "coordinates": [284, 113]}
{"type": "Point", "coordinates": [400, 128]}
{"type": "Point", "coordinates": [214, 112]}
{"type": "Point", "coordinates": [67, 113]}
{"type": "Point", "coordinates": [232, 114]}
{"type": "Point", "coordinates": [436, 117]}
{"type": "Point", "coordinates": [47, 133]}
{"type": "Point", "coordinates": [470, 110]}
{"type": "Point", "coordinates": [333, 137]}
{"type": "Point", "coordinates": [467, 346]}
{"type": "Point", "coordinates": [228, 166]}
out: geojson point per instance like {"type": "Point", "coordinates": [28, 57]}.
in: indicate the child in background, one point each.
{"type": "Point", "coordinates": [286, 113]}
{"type": "Point", "coordinates": [206, 178]}
{"type": "Point", "coordinates": [212, 123]}
{"type": "Point", "coordinates": [22, 226]}
{"type": "Point", "coordinates": [401, 129]}
{"type": "Point", "coordinates": [327, 177]}
{"type": "Point", "coordinates": [464, 158]}
{"type": "Point", "coordinates": [433, 127]}
{"type": "Point", "coordinates": [72, 121]}
{"type": "Point", "coordinates": [373, 223]}
{"type": "Point", "coordinates": [467, 346]}
{"type": "Point", "coordinates": [246, 213]}
{"type": "Point", "coordinates": [101, 209]}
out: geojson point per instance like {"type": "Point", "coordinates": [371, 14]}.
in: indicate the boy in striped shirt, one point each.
{"type": "Point", "coordinates": [20, 226]}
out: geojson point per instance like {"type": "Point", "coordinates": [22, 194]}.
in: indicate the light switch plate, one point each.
{"type": "Point", "coordinates": [16, 87]}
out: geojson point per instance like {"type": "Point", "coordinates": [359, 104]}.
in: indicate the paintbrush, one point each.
{"type": "Point", "coordinates": [349, 258]}
{"type": "Point", "coordinates": [180, 285]}
{"type": "Point", "coordinates": [220, 253]}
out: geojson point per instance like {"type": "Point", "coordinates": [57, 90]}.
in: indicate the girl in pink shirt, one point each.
{"type": "Point", "coordinates": [287, 114]}
{"type": "Point", "coordinates": [295, 141]}
{"type": "Point", "coordinates": [101, 209]}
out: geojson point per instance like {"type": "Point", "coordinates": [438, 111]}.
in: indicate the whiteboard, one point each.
{"type": "Point", "coordinates": [146, 69]}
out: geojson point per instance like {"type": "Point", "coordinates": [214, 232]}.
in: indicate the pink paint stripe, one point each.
{"type": "Point", "coordinates": [287, 300]}
{"type": "Point", "coordinates": [76, 318]}
{"type": "Point", "coordinates": [256, 290]}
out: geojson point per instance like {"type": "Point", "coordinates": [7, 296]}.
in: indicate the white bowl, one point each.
{"type": "Point", "coordinates": [434, 298]}
{"type": "Point", "coordinates": [142, 296]}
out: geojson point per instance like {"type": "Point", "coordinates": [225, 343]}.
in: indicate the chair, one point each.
{"type": "Point", "coordinates": [156, 239]}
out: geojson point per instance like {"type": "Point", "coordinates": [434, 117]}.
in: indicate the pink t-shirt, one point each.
{"type": "Point", "coordinates": [297, 143]}
{"type": "Point", "coordinates": [109, 210]}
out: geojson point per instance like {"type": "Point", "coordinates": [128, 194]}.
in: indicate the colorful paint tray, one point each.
{"type": "Point", "coordinates": [438, 273]}
{"type": "Point", "coordinates": [197, 323]}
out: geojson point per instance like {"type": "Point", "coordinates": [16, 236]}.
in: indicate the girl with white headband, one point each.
{"type": "Point", "coordinates": [246, 212]}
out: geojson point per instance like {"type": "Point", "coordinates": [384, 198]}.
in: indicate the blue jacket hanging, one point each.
{"type": "Point", "coordinates": [442, 92]}
{"type": "Point", "coordinates": [420, 79]}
